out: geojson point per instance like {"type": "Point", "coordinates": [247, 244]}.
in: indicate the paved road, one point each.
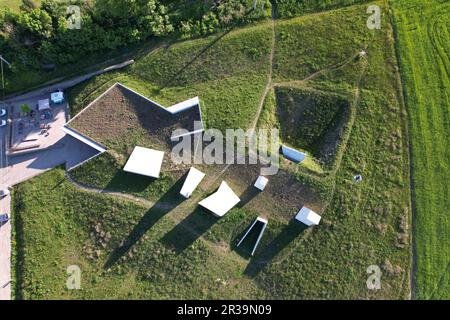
{"type": "Point", "coordinates": [5, 229]}
{"type": "Point", "coordinates": [5, 252]}
{"type": "Point", "coordinates": [68, 83]}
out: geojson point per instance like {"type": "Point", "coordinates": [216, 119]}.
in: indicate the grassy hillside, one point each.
{"type": "Point", "coordinates": [291, 8]}
{"type": "Point", "coordinates": [164, 247]}
{"type": "Point", "coordinates": [13, 4]}
{"type": "Point", "coordinates": [227, 71]}
{"type": "Point", "coordinates": [71, 227]}
{"type": "Point", "coordinates": [423, 47]}
{"type": "Point", "coordinates": [312, 120]}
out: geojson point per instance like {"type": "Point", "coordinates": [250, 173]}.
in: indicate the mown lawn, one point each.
{"type": "Point", "coordinates": [423, 47]}
{"type": "Point", "coordinates": [174, 250]}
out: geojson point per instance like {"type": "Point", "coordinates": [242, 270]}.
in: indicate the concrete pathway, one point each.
{"type": "Point", "coordinates": [68, 151]}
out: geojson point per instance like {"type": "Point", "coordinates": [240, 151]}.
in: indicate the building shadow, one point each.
{"type": "Point", "coordinates": [203, 51]}
{"type": "Point", "coordinates": [265, 255]}
{"type": "Point", "coordinates": [246, 247]}
{"type": "Point", "coordinates": [128, 182]}
{"type": "Point", "coordinates": [184, 234]}
{"type": "Point", "coordinates": [165, 204]}
{"type": "Point", "coordinates": [248, 195]}
{"type": "Point", "coordinates": [190, 62]}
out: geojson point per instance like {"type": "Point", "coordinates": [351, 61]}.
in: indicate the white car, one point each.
{"type": "Point", "coordinates": [2, 112]}
{"type": "Point", "coordinates": [4, 193]}
{"type": "Point", "coordinates": [2, 123]}
{"type": "Point", "coordinates": [4, 217]}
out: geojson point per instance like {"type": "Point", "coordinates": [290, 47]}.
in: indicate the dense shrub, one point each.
{"type": "Point", "coordinates": [40, 35]}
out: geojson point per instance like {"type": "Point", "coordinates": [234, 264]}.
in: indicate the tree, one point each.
{"type": "Point", "coordinates": [38, 22]}
{"type": "Point", "coordinates": [25, 108]}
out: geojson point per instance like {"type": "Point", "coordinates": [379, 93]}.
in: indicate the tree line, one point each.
{"type": "Point", "coordinates": [42, 35]}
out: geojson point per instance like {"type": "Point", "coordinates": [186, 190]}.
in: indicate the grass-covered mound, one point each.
{"type": "Point", "coordinates": [182, 252]}
{"type": "Point", "coordinates": [124, 250]}
{"type": "Point", "coordinates": [227, 71]}
{"type": "Point", "coordinates": [170, 249]}
{"type": "Point", "coordinates": [312, 120]}
{"type": "Point", "coordinates": [310, 38]}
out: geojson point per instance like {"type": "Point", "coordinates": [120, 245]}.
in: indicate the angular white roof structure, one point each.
{"type": "Point", "coordinates": [264, 225]}
{"type": "Point", "coordinates": [222, 201]}
{"type": "Point", "coordinates": [261, 182]}
{"type": "Point", "coordinates": [84, 139]}
{"type": "Point", "coordinates": [193, 179]}
{"type": "Point", "coordinates": [144, 161]}
{"type": "Point", "coordinates": [308, 217]}
{"type": "Point", "coordinates": [43, 104]}
{"type": "Point", "coordinates": [183, 105]}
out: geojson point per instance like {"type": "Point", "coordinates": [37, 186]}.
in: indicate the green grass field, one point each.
{"type": "Point", "coordinates": [229, 91]}
{"type": "Point", "coordinates": [423, 47]}
{"type": "Point", "coordinates": [171, 249]}
{"type": "Point", "coordinates": [13, 4]}
{"type": "Point", "coordinates": [85, 229]}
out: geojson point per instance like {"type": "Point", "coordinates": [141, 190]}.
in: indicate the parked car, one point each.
{"type": "Point", "coordinates": [4, 193]}
{"type": "Point", "coordinates": [2, 123]}
{"type": "Point", "coordinates": [4, 217]}
{"type": "Point", "coordinates": [2, 112]}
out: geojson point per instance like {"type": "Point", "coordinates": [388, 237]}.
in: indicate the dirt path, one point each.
{"type": "Point", "coordinates": [270, 84]}
{"type": "Point", "coordinates": [335, 67]}
{"type": "Point", "coordinates": [126, 196]}
{"type": "Point", "coordinates": [189, 206]}
{"type": "Point", "coordinates": [269, 76]}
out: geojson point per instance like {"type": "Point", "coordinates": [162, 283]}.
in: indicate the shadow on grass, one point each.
{"type": "Point", "coordinates": [165, 204]}
{"type": "Point", "coordinates": [266, 254]}
{"type": "Point", "coordinates": [189, 230]}
{"type": "Point", "coordinates": [203, 51]}
{"type": "Point", "coordinates": [248, 195]}
{"type": "Point", "coordinates": [246, 247]}
{"type": "Point", "coordinates": [129, 182]}
{"type": "Point", "coordinates": [189, 63]}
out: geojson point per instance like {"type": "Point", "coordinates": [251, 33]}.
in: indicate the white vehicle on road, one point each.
{"type": "Point", "coordinates": [2, 112]}
{"type": "Point", "coordinates": [2, 123]}
{"type": "Point", "coordinates": [4, 217]}
{"type": "Point", "coordinates": [4, 193]}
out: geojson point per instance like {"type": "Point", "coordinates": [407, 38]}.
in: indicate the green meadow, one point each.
{"type": "Point", "coordinates": [422, 43]}
{"type": "Point", "coordinates": [156, 246]}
